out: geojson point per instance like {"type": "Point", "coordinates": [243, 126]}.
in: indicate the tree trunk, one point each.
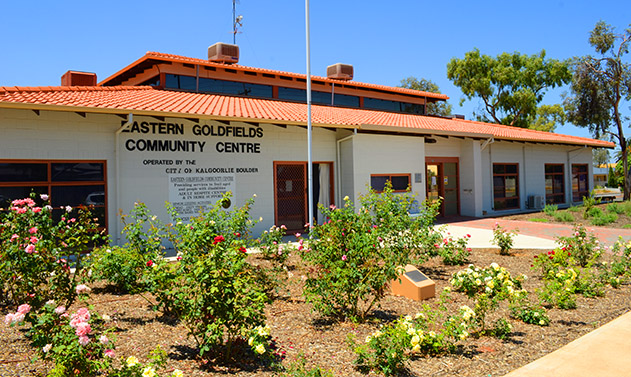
{"type": "Point", "coordinates": [625, 171]}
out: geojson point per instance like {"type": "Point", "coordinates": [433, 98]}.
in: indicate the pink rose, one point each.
{"type": "Point", "coordinates": [37, 209]}
{"type": "Point", "coordinates": [84, 340]}
{"type": "Point", "coordinates": [344, 257]}
{"type": "Point", "coordinates": [60, 310]}
{"type": "Point", "coordinates": [103, 339]}
{"type": "Point", "coordinates": [33, 230]}
{"type": "Point", "coordinates": [83, 329]}
{"type": "Point", "coordinates": [82, 288]}
{"type": "Point", "coordinates": [44, 197]}
{"type": "Point", "coordinates": [30, 249]}
{"type": "Point", "coordinates": [14, 237]}
{"type": "Point", "coordinates": [34, 239]}
{"type": "Point", "coordinates": [109, 353]}
{"type": "Point", "coordinates": [18, 317]}
{"type": "Point", "coordinates": [84, 313]}
{"type": "Point", "coordinates": [24, 308]}
{"type": "Point", "coordinates": [8, 318]}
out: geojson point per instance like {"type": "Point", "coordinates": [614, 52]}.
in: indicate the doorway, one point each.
{"type": "Point", "coordinates": [290, 192]}
{"type": "Point", "coordinates": [442, 182]}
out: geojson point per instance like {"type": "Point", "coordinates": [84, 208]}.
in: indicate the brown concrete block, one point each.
{"type": "Point", "coordinates": [413, 284]}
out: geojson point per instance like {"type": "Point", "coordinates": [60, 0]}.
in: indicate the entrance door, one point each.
{"type": "Point", "coordinates": [290, 186]}
{"type": "Point", "coordinates": [442, 182]}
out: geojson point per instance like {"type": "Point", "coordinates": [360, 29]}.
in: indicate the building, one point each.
{"type": "Point", "coordinates": [185, 130]}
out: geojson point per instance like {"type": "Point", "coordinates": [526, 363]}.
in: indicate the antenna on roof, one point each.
{"type": "Point", "coordinates": [236, 21]}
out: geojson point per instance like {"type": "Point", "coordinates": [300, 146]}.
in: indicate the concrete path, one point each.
{"type": "Point", "coordinates": [541, 232]}
{"type": "Point", "coordinates": [603, 352]}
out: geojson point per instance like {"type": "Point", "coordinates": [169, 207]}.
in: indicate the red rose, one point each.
{"type": "Point", "coordinates": [149, 263]}
{"type": "Point", "coordinates": [218, 239]}
{"type": "Point", "coordinates": [243, 249]}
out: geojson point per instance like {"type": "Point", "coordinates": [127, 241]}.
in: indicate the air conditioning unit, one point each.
{"type": "Point", "coordinates": [535, 202]}
{"type": "Point", "coordinates": [340, 71]}
{"type": "Point", "coordinates": [223, 53]}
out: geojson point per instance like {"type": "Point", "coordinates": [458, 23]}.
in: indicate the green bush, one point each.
{"type": "Point", "coordinates": [604, 219]}
{"type": "Point", "coordinates": [357, 252]}
{"type": "Point", "coordinates": [37, 252]}
{"type": "Point", "coordinates": [213, 289]}
{"type": "Point", "coordinates": [564, 217]}
{"type": "Point", "coordinates": [594, 212]}
{"type": "Point", "coordinates": [615, 208]}
{"type": "Point", "coordinates": [588, 204]}
{"type": "Point", "coordinates": [538, 220]}
{"type": "Point", "coordinates": [550, 209]}
{"type": "Point", "coordinates": [454, 251]}
{"type": "Point", "coordinates": [574, 209]}
{"type": "Point", "coordinates": [298, 368]}
{"type": "Point", "coordinates": [584, 247]}
{"type": "Point", "coordinates": [503, 238]}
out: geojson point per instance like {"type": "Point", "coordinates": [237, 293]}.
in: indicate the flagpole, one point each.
{"type": "Point", "coordinates": [309, 141]}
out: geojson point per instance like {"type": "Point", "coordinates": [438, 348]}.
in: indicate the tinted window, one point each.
{"type": "Point", "coordinates": [73, 172]}
{"type": "Point", "coordinates": [23, 172]}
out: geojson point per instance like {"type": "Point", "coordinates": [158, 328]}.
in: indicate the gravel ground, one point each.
{"type": "Point", "coordinates": [299, 331]}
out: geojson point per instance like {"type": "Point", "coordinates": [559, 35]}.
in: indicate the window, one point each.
{"type": "Point", "coordinates": [400, 182]}
{"type": "Point", "coordinates": [68, 183]}
{"type": "Point", "coordinates": [320, 98]}
{"type": "Point", "coordinates": [505, 186]}
{"type": "Point", "coordinates": [580, 184]}
{"type": "Point", "coordinates": [555, 183]}
{"type": "Point", "coordinates": [396, 106]}
{"type": "Point", "coordinates": [218, 86]}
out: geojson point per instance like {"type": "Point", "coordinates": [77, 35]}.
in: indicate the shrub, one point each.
{"type": "Point", "coordinates": [615, 208]}
{"type": "Point", "coordinates": [502, 328]}
{"type": "Point", "coordinates": [588, 204]}
{"type": "Point", "coordinates": [559, 289]}
{"type": "Point", "coordinates": [574, 208]}
{"type": "Point", "coordinates": [124, 267]}
{"type": "Point", "coordinates": [530, 314]}
{"type": "Point", "coordinates": [564, 217]}
{"type": "Point", "coordinates": [356, 253]}
{"type": "Point", "coordinates": [538, 220]}
{"type": "Point", "coordinates": [298, 368]}
{"type": "Point", "coordinates": [487, 286]}
{"type": "Point", "coordinates": [272, 246]}
{"type": "Point", "coordinates": [503, 238]}
{"type": "Point", "coordinates": [454, 251]}
{"type": "Point", "coordinates": [550, 209]}
{"type": "Point", "coordinates": [37, 252]}
{"type": "Point", "coordinates": [604, 219]}
{"type": "Point", "coordinates": [388, 349]}
{"type": "Point", "coordinates": [584, 247]}
{"type": "Point", "coordinates": [213, 289]}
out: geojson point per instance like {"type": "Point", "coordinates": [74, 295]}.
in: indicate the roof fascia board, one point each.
{"type": "Point", "coordinates": [375, 127]}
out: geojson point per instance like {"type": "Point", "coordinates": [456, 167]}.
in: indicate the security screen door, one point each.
{"type": "Point", "coordinates": [442, 182]}
{"type": "Point", "coordinates": [290, 192]}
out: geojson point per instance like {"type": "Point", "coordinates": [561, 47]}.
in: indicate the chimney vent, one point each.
{"type": "Point", "coordinates": [75, 78]}
{"type": "Point", "coordinates": [223, 53]}
{"type": "Point", "coordinates": [340, 71]}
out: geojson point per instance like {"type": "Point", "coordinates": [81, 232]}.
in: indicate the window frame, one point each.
{"type": "Point", "coordinates": [504, 199]}
{"type": "Point", "coordinates": [50, 182]}
{"type": "Point", "coordinates": [577, 195]}
{"type": "Point", "coordinates": [407, 175]}
{"type": "Point", "coordinates": [554, 197]}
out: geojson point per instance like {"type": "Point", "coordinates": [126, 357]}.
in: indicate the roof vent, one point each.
{"type": "Point", "coordinates": [340, 71]}
{"type": "Point", "coordinates": [458, 116]}
{"type": "Point", "coordinates": [75, 78]}
{"type": "Point", "coordinates": [223, 53]}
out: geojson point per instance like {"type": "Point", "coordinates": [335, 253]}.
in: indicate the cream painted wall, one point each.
{"type": "Point", "coordinates": [385, 154]}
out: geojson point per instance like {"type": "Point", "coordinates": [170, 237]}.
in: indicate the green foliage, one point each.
{"type": "Point", "coordinates": [503, 238]}
{"type": "Point", "coordinates": [510, 86]}
{"type": "Point", "coordinates": [574, 209]}
{"type": "Point", "coordinates": [454, 251]}
{"type": "Point", "coordinates": [37, 252]}
{"type": "Point", "coordinates": [502, 328]}
{"type": "Point", "coordinates": [604, 218]}
{"type": "Point", "coordinates": [538, 220]}
{"type": "Point", "coordinates": [550, 209]}
{"type": "Point", "coordinates": [124, 267]}
{"type": "Point", "coordinates": [298, 368]}
{"type": "Point", "coordinates": [441, 108]}
{"type": "Point", "coordinates": [564, 216]}
{"type": "Point", "coordinates": [584, 247]}
{"type": "Point", "coordinates": [272, 246]}
{"type": "Point", "coordinates": [213, 289]}
{"type": "Point", "coordinates": [487, 286]}
{"type": "Point", "coordinates": [527, 312]}
{"type": "Point", "coordinates": [357, 252]}
{"type": "Point", "coordinates": [615, 208]}
{"type": "Point", "coordinates": [601, 85]}
{"type": "Point", "coordinates": [388, 349]}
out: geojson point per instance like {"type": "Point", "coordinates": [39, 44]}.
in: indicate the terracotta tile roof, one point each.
{"type": "Point", "coordinates": [146, 100]}
{"type": "Point", "coordinates": [183, 59]}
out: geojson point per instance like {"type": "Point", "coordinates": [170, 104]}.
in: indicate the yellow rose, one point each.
{"type": "Point", "coordinates": [131, 361]}
{"type": "Point", "coordinates": [260, 349]}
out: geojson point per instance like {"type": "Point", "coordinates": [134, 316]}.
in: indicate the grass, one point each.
{"type": "Point", "coordinates": [540, 220]}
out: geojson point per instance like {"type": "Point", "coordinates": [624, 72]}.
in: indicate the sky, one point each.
{"type": "Point", "coordinates": [385, 41]}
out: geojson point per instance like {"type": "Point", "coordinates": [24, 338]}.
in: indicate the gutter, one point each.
{"type": "Point", "coordinates": [130, 120]}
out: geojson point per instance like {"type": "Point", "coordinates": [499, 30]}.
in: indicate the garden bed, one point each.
{"type": "Point", "coordinates": [299, 331]}
{"type": "Point", "coordinates": [574, 215]}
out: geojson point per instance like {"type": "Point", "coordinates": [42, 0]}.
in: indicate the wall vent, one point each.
{"type": "Point", "coordinates": [75, 78]}
{"type": "Point", "coordinates": [340, 71]}
{"type": "Point", "coordinates": [223, 53]}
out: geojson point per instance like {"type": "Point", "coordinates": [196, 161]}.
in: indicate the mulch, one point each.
{"type": "Point", "coordinates": [299, 331]}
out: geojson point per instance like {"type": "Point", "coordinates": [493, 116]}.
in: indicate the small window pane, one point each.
{"type": "Point", "coordinates": [400, 182]}
{"type": "Point", "coordinates": [378, 183]}
{"type": "Point", "coordinates": [8, 194]}
{"type": "Point", "coordinates": [23, 172]}
{"type": "Point", "coordinates": [75, 172]}
{"type": "Point", "coordinates": [292, 94]}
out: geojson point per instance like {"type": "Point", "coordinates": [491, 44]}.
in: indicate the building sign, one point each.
{"type": "Point", "coordinates": [192, 192]}
{"type": "Point", "coordinates": [248, 138]}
